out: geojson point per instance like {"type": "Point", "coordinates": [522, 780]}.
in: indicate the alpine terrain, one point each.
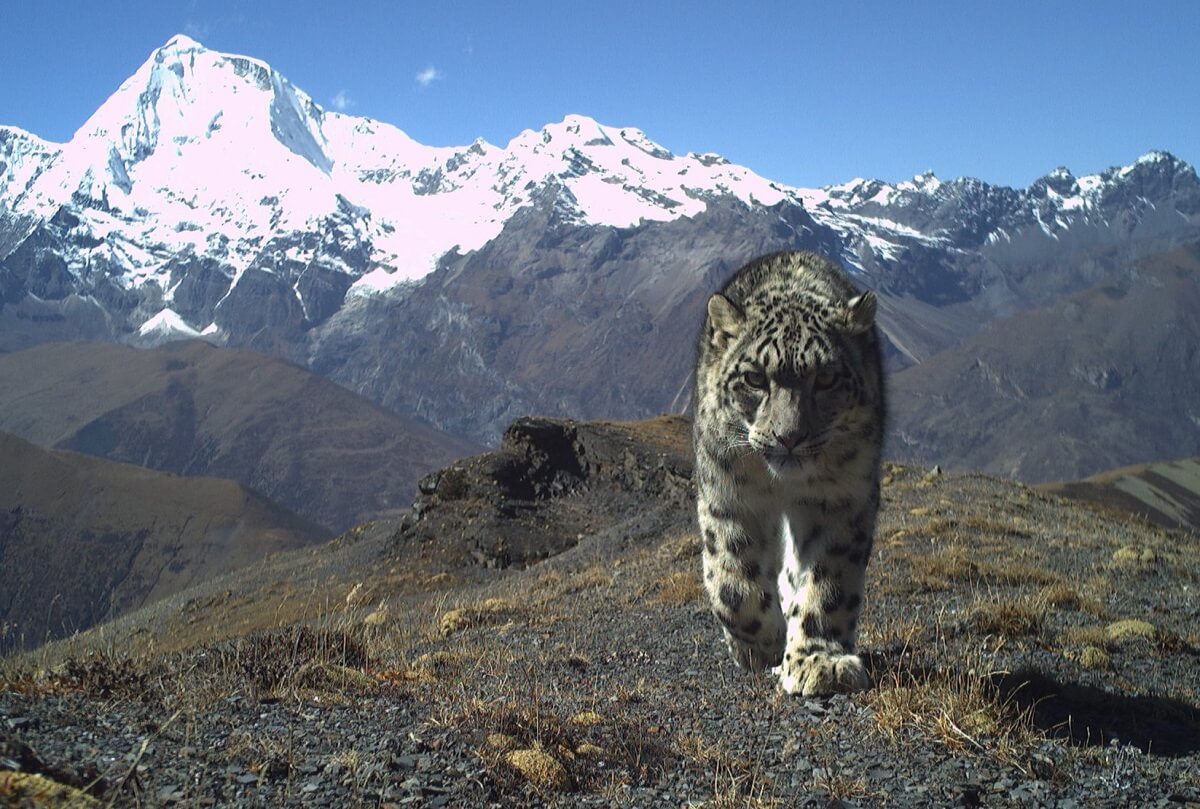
{"type": "Point", "coordinates": [535, 633]}
{"type": "Point", "coordinates": [213, 273]}
{"type": "Point", "coordinates": [563, 273]}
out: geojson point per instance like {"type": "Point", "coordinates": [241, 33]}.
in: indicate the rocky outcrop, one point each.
{"type": "Point", "coordinates": [544, 488]}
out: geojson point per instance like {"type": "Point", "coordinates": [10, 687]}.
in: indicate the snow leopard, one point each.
{"type": "Point", "coordinates": [788, 432]}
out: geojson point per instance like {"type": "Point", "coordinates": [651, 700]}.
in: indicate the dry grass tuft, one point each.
{"type": "Point", "coordinates": [27, 789]}
{"type": "Point", "coordinates": [1018, 573]}
{"type": "Point", "coordinates": [587, 719]}
{"type": "Point", "coordinates": [967, 529]}
{"type": "Point", "coordinates": [1086, 636]}
{"type": "Point", "coordinates": [491, 611]}
{"type": "Point", "coordinates": [959, 709]}
{"type": "Point", "coordinates": [96, 674]}
{"type": "Point", "coordinates": [379, 617]}
{"type": "Point", "coordinates": [732, 799]}
{"type": "Point", "coordinates": [679, 547]}
{"type": "Point", "coordinates": [1125, 633]}
{"type": "Point", "coordinates": [330, 677]}
{"type": "Point", "coordinates": [1131, 556]}
{"type": "Point", "coordinates": [591, 750]}
{"type": "Point", "coordinates": [938, 571]}
{"type": "Point", "coordinates": [1064, 596]}
{"type": "Point", "coordinates": [501, 742]}
{"type": "Point", "coordinates": [553, 585]}
{"type": "Point", "coordinates": [678, 588]}
{"type": "Point", "coordinates": [842, 786]}
{"type": "Point", "coordinates": [273, 661]}
{"type": "Point", "coordinates": [1093, 657]}
{"type": "Point", "coordinates": [1130, 630]}
{"type": "Point", "coordinates": [944, 568]}
{"type": "Point", "coordinates": [738, 782]}
{"type": "Point", "coordinates": [540, 768]}
{"type": "Point", "coordinates": [262, 753]}
{"type": "Point", "coordinates": [1007, 617]}
{"type": "Point", "coordinates": [439, 665]}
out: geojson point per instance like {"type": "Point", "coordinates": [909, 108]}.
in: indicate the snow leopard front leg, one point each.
{"type": "Point", "coordinates": [742, 557]}
{"type": "Point", "coordinates": [823, 595]}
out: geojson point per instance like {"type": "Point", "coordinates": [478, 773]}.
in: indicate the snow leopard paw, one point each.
{"type": "Point", "coordinates": [756, 655]}
{"type": "Point", "coordinates": [821, 673]}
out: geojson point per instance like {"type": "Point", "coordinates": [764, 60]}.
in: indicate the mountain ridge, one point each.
{"type": "Point", "coordinates": [159, 130]}
{"type": "Point", "coordinates": [562, 274]}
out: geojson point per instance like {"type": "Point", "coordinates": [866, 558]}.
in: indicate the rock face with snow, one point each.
{"type": "Point", "coordinates": [208, 183]}
{"type": "Point", "coordinates": [563, 273]}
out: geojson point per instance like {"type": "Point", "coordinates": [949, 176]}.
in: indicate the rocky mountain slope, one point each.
{"type": "Point", "coordinates": [195, 409]}
{"type": "Point", "coordinates": [83, 539]}
{"type": "Point", "coordinates": [562, 273]}
{"type": "Point", "coordinates": [1083, 384]}
{"type": "Point", "coordinates": [533, 634]}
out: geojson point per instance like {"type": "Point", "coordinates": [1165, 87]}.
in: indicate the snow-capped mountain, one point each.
{"type": "Point", "coordinates": [564, 272]}
{"type": "Point", "coordinates": [212, 157]}
{"type": "Point", "coordinates": [206, 154]}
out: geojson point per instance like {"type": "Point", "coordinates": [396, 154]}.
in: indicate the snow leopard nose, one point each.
{"type": "Point", "coordinates": [791, 440]}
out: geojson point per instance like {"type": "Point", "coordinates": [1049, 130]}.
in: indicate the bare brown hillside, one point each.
{"type": "Point", "coordinates": [83, 539]}
{"type": "Point", "coordinates": [1166, 493]}
{"type": "Point", "coordinates": [195, 409]}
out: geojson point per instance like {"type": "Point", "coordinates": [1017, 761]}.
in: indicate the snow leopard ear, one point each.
{"type": "Point", "coordinates": [860, 313]}
{"type": "Point", "coordinates": [724, 320]}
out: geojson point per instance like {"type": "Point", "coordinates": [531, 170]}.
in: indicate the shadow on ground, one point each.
{"type": "Point", "coordinates": [1090, 716]}
{"type": "Point", "coordinates": [1082, 715]}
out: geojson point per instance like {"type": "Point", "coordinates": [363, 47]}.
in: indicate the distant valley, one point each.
{"type": "Point", "coordinates": [1100, 376]}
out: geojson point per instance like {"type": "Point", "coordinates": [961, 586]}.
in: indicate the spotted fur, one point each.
{"type": "Point", "coordinates": [788, 430]}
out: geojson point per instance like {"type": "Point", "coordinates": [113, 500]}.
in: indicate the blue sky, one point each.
{"type": "Point", "coordinates": [805, 93]}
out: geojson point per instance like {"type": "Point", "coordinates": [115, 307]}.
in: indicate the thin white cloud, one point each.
{"type": "Point", "coordinates": [196, 30]}
{"type": "Point", "coordinates": [341, 101]}
{"type": "Point", "coordinates": [428, 76]}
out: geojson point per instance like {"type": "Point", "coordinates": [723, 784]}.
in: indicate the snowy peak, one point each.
{"type": "Point", "coordinates": [23, 156]}
{"type": "Point", "coordinates": [1156, 175]}
{"type": "Point", "coordinates": [619, 177]}
{"type": "Point", "coordinates": [1152, 174]}
{"type": "Point", "coordinates": [185, 93]}
{"type": "Point", "coordinates": [581, 133]}
{"type": "Point", "coordinates": [180, 43]}
{"type": "Point", "coordinates": [164, 327]}
{"type": "Point", "coordinates": [880, 218]}
{"type": "Point", "coordinates": [218, 155]}
{"type": "Point", "coordinates": [1060, 182]}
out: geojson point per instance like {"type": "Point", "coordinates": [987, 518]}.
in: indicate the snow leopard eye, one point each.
{"type": "Point", "coordinates": [755, 379]}
{"type": "Point", "coordinates": [824, 379]}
